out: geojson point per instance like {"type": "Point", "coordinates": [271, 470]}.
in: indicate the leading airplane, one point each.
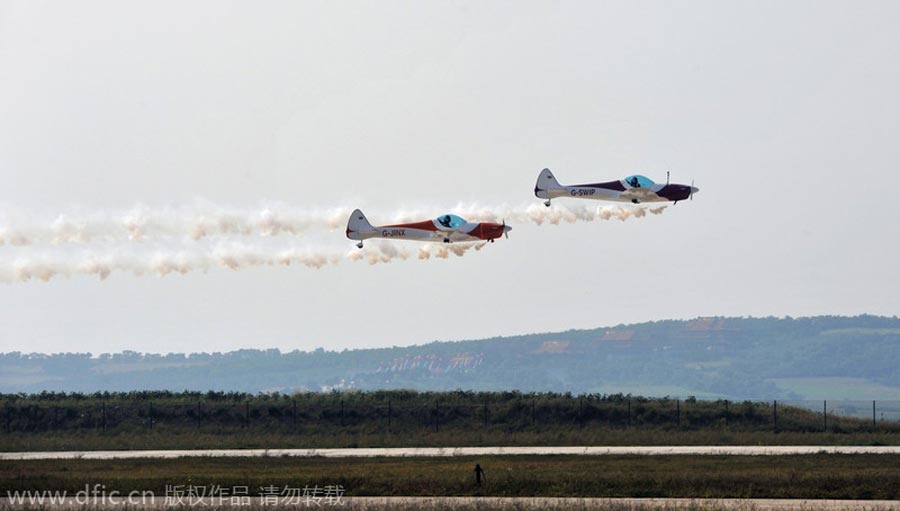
{"type": "Point", "coordinates": [447, 228]}
{"type": "Point", "coordinates": [635, 189]}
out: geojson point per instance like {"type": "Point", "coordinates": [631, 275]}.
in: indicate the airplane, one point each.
{"type": "Point", "coordinates": [447, 228]}
{"type": "Point", "coordinates": [635, 189]}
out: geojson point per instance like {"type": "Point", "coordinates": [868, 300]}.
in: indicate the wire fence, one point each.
{"type": "Point", "coordinates": [389, 416]}
{"type": "Point", "coordinates": [877, 411]}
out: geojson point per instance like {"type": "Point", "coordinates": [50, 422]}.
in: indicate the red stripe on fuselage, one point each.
{"type": "Point", "coordinates": [483, 231]}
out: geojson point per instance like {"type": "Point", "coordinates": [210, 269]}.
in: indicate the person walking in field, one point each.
{"type": "Point", "coordinates": [479, 475]}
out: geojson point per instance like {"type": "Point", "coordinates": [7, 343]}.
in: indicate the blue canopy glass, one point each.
{"type": "Point", "coordinates": [451, 221]}
{"type": "Point", "coordinates": [638, 181]}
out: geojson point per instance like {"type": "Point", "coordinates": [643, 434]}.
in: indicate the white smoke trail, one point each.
{"type": "Point", "coordinates": [45, 267]}
{"type": "Point", "coordinates": [206, 220]}
{"type": "Point", "coordinates": [30, 266]}
{"type": "Point", "coordinates": [558, 213]}
{"type": "Point", "coordinates": [386, 252]}
{"type": "Point", "coordinates": [443, 251]}
{"type": "Point", "coordinates": [535, 213]}
{"type": "Point", "coordinates": [99, 230]}
{"type": "Point", "coordinates": [142, 223]}
{"type": "Point", "coordinates": [381, 252]}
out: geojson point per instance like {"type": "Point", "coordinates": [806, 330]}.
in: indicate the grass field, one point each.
{"type": "Point", "coordinates": [813, 476]}
{"type": "Point", "coordinates": [164, 420]}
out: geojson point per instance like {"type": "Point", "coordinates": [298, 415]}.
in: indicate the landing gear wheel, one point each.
{"type": "Point", "coordinates": [446, 240]}
{"type": "Point", "coordinates": [359, 245]}
{"type": "Point", "coordinates": [635, 201]}
{"type": "Point", "coordinates": [547, 203]}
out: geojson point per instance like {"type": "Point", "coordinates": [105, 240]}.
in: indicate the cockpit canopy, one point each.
{"type": "Point", "coordinates": [450, 221]}
{"type": "Point", "coordinates": [638, 181]}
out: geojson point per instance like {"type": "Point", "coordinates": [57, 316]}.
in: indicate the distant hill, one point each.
{"type": "Point", "coordinates": [736, 358]}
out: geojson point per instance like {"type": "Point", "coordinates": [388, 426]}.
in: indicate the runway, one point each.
{"type": "Point", "coordinates": [432, 452]}
{"type": "Point", "coordinates": [618, 504]}
{"type": "Point", "coordinates": [489, 504]}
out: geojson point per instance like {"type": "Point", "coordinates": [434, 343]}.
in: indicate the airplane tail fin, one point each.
{"type": "Point", "coordinates": [357, 224]}
{"type": "Point", "coordinates": [545, 183]}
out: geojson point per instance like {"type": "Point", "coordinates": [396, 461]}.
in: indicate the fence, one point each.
{"type": "Point", "coordinates": [518, 412]}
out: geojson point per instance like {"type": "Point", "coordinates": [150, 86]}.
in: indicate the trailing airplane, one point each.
{"type": "Point", "coordinates": [635, 189]}
{"type": "Point", "coordinates": [447, 228]}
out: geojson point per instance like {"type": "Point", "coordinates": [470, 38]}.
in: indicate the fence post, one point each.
{"type": "Point", "coordinates": [103, 416]}
{"type": "Point", "coordinates": [629, 412]}
{"type": "Point", "coordinates": [199, 413]}
{"type": "Point", "coordinates": [874, 423]}
{"type": "Point", "coordinates": [150, 416]}
{"type": "Point", "coordinates": [726, 412]}
{"type": "Point", "coordinates": [825, 415]}
{"type": "Point", "coordinates": [485, 414]}
{"type": "Point", "coordinates": [389, 415]}
{"type": "Point", "coordinates": [775, 416]}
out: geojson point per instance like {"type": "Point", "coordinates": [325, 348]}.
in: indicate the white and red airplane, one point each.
{"type": "Point", "coordinates": [634, 189]}
{"type": "Point", "coordinates": [447, 228]}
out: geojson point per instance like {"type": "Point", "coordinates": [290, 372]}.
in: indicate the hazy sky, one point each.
{"type": "Point", "coordinates": [786, 115]}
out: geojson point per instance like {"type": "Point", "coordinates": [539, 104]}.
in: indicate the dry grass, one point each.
{"type": "Point", "coordinates": [808, 476]}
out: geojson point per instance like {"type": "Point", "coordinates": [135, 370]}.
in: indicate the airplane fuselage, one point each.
{"type": "Point", "coordinates": [636, 189]}
{"type": "Point", "coordinates": [446, 229]}
{"type": "Point", "coordinates": [609, 192]}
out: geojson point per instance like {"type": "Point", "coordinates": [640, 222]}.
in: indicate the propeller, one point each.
{"type": "Point", "coordinates": [505, 232]}
{"type": "Point", "coordinates": [692, 189]}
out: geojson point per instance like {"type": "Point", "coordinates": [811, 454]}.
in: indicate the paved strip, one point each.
{"type": "Point", "coordinates": [435, 452]}
{"type": "Point", "coordinates": [491, 503]}
{"type": "Point", "coordinates": [618, 504]}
